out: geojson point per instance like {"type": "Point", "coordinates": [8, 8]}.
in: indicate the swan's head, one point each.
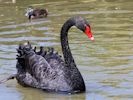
{"type": "Point", "coordinates": [83, 25]}
{"type": "Point", "coordinates": [24, 49]}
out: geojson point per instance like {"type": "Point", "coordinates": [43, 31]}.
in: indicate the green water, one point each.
{"type": "Point", "coordinates": [106, 64]}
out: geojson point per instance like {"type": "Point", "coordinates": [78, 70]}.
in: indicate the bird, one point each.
{"type": "Point", "coordinates": [36, 13]}
{"type": "Point", "coordinates": [46, 69]}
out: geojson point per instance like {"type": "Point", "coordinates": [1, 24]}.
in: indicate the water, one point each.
{"type": "Point", "coordinates": [105, 64]}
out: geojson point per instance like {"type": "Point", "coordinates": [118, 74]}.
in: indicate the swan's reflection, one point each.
{"type": "Point", "coordinates": [35, 94]}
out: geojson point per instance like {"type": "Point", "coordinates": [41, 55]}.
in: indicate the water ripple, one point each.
{"type": "Point", "coordinates": [25, 24]}
{"type": "Point", "coordinates": [25, 39]}
{"type": "Point", "coordinates": [14, 32]}
{"type": "Point", "coordinates": [102, 12]}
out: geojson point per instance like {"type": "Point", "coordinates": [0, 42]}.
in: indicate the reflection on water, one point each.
{"type": "Point", "coordinates": [41, 95]}
{"type": "Point", "coordinates": [105, 64]}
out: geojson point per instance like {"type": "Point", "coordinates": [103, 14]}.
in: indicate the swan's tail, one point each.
{"type": "Point", "coordinates": [8, 78]}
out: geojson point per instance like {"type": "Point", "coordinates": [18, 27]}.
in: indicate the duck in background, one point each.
{"type": "Point", "coordinates": [32, 13]}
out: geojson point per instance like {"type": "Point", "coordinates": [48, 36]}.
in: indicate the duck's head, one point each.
{"type": "Point", "coordinates": [29, 11]}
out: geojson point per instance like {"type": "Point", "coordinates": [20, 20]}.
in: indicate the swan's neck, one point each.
{"type": "Point", "coordinates": [65, 45]}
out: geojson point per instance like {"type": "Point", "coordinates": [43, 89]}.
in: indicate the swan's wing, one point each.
{"type": "Point", "coordinates": [33, 70]}
{"type": "Point", "coordinates": [51, 56]}
{"type": "Point", "coordinates": [44, 68]}
{"type": "Point", "coordinates": [23, 77]}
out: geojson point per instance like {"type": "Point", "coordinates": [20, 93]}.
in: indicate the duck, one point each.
{"type": "Point", "coordinates": [34, 13]}
{"type": "Point", "coordinates": [46, 69]}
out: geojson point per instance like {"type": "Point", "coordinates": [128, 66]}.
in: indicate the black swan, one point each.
{"type": "Point", "coordinates": [46, 70]}
{"type": "Point", "coordinates": [36, 13]}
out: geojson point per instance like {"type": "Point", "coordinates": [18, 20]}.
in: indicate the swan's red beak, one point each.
{"type": "Point", "coordinates": [88, 33]}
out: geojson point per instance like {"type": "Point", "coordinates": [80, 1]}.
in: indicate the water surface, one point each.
{"type": "Point", "coordinates": [106, 64]}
